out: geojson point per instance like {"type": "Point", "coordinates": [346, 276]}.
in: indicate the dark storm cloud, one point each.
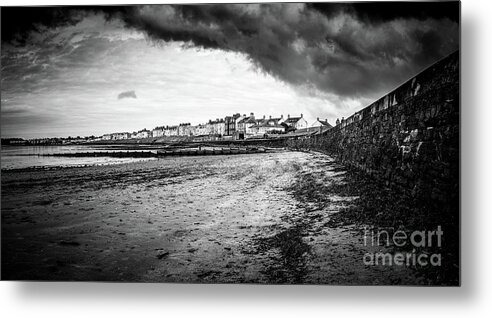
{"type": "Point", "coordinates": [348, 50]}
{"type": "Point", "coordinates": [127, 94]}
{"type": "Point", "coordinates": [380, 12]}
{"type": "Point", "coordinates": [18, 22]}
{"type": "Point", "coordinates": [343, 52]}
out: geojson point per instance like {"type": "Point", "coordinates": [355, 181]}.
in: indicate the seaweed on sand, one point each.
{"type": "Point", "coordinates": [380, 206]}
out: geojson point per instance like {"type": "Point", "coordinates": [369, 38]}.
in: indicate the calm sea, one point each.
{"type": "Point", "coordinates": [19, 157]}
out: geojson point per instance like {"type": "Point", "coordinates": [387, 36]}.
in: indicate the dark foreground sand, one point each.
{"type": "Point", "coordinates": [214, 219]}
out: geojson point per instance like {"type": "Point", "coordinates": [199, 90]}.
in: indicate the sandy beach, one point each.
{"type": "Point", "coordinates": [219, 219]}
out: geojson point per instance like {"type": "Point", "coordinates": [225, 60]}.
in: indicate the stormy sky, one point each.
{"type": "Point", "coordinates": [94, 70]}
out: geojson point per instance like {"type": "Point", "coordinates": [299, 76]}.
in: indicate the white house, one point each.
{"type": "Point", "coordinates": [171, 131]}
{"type": "Point", "coordinates": [158, 131]}
{"type": "Point", "coordinates": [321, 125]}
{"type": "Point", "coordinates": [266, 125]}
{"type": "Point", "coordinates": [294, 123]}
{"type": "Point", "coordinates": [144, 133]}
{"type": "Point", "coordinates": [244, 125]}
{"type": "Point", "coordinates": [201, 130]}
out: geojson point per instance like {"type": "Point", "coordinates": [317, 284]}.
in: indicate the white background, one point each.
{"type": "Point", "coordinates": [473, 298]}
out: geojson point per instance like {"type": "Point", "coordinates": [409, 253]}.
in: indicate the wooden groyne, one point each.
{"type": "Point", "coordinates": [164, 152]}
{"type": "Point", "coordinates": [214, 151]}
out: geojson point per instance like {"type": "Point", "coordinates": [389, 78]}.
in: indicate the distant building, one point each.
{"type": "Point", "coordinates": [50, 141]}
{"type": "Point", "coordinates": [201, 130]}
{"type": "Point", "coordinates": [320, 124]}
{"type": "Point", "coordinates": [230, 123]}
{"type": "Point", "coordinates": [209, 128]}
{"type": "Point", "coordinates": [217, 127]}
{"type": "Point", "coordinates": [189, 130]}
{"type": "Point", "coordinates": [13, 141]}
{"type": "Point", "coordinates": [144, 133]}
{"type": "Point", "coordinates": [172, 131]}
{"type": "Point", "coordinates": [112, 136]}
{"type": "Point", "coordinates": [120, 136]}
{"type": "Point", "coordinates": [244, 126]}
{"type": "Point", "coordinates": [158, 131]}
{"type": "Point", "coordinates": [294, 123]}
{"type": "Point", "coordinates": [266, 126]}
{"type": "Point", "coordinates": [182, 129]}
{"type": "Point", "coordinates": [274, 121]}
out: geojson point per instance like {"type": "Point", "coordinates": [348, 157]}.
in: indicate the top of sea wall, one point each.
{"type": "Point", "coordinates": [437, 75]}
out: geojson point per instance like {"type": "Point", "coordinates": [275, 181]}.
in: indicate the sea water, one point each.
{"type": "Point", "coordinates": [21, 157]}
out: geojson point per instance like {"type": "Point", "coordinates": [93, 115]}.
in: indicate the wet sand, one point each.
{"type": "Point", "coordinates": [214, 219]}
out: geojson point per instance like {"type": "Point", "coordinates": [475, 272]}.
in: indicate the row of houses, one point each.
{"type": "Point", "coordinates": [236, 126]}
{"type": "Point", "coordinates": [144, 133]}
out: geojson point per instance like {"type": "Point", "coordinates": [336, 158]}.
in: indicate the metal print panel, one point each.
{"type": "Point", "coordinates": [272, 143]}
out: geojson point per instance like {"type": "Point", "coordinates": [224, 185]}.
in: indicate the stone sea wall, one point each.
{"type": "Point", "coordinates": [408, 138]}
